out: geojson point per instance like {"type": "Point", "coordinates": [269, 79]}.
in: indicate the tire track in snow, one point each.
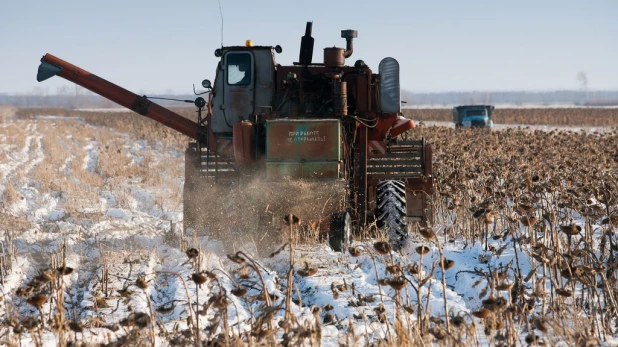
{"type": "Point", "coordinates": [43, 206]}
{"type": "Point", "coordinates": [15, 173]}
{"type": "Point", "coordinates": [18, 159]}
{"type": "Point", "coordinates": [37, 155]}
{"type": "Point", "coordinates": [64, 168]}
{"type": "Point", "coordinates": [92, 156]}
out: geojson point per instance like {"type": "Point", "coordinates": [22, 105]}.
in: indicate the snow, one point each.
{"type": "Point", "coordinates": [111, 109]}
{"type": "Point", "coordinates": [112, 244]}
{"type": "Point", "coordinates": [92, 155]}
{"type": "Point", "coordinates": [60, 118]}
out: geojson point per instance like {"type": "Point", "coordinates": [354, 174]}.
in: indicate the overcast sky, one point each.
{"type": "Point", "coordinates": [160, 46]}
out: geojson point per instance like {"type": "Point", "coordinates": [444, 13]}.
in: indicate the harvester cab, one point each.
{"type": "Point", "coordinates": [243, 84]}
{"type": "Point", "coordinates": [322, 141]}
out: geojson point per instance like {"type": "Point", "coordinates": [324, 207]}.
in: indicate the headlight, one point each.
{"type": "Point", "coordinates": [467, 123]}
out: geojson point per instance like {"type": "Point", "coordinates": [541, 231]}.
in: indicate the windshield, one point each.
{"type": "Point", "coordinates": [239, 69]}
{"type": "Point", "coordinates": [475, 113]}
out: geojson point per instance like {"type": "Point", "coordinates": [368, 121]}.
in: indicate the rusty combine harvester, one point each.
{"type": "Point", "coordinates": [307, 122]}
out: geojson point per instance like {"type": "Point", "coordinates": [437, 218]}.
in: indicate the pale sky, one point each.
{"type": "Point", "coordinates": [160, 46]}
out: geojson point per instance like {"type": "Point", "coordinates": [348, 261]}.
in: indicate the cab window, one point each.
{"type": "Point", "coordinates": [239, 69]}
{"type": "Point", "coordinates": [475, 112]}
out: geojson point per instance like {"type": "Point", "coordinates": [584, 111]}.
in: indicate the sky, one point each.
{"type": "Point", "coordinates": [442, 45]}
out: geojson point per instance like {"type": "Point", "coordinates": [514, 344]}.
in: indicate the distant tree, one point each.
{"type": "Point", "coordinates": [38, 96]}
{"type": "Point", "coordinates": [582, 79]}
{"type": "Point", "coordinates": [63, 90]}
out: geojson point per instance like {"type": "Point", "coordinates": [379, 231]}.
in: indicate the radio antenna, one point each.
{"type": "Point", "coordinates": [221, 13]}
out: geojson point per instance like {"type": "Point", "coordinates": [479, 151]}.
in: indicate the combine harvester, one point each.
{"type": "Point", "coordinates": [310, 124]}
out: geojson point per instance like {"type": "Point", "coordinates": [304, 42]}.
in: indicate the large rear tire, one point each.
{"type": "Point", "coordinates": [391, 212]}
{"type": "Point", "coordinates": [340, 233]}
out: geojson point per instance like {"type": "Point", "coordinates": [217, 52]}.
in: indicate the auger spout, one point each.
{"type": "Point", "coordinates": [54, 66]}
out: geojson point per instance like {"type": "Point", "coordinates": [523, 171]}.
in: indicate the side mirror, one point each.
{"type": "Point", "coordinates": [206, 84]}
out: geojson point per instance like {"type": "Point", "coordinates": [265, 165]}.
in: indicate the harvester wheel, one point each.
{"type": "Point", "coordinates": [340, 234]}
{"type": "Point", "coordinates": [391, 212]}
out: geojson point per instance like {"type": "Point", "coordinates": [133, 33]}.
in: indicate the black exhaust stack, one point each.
{"type": "Point", "coordinates": [306, 46]}
{"type": "Point", "coordinates": [348, 35]}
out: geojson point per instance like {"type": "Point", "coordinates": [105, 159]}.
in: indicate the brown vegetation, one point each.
{"type": "Point", "coordinates": [549, 197]}
{"type": "Point", "coordinates": [598, 117]}
{"type": "Point", "coordinates": [128, 122]}
{"type": "Point", "coordinates": [525, 190]}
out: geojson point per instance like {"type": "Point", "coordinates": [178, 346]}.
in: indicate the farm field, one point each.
{"type": "Point", "coordinates": [523, 250]}
{"type": "Point", "coordinates": [561, 116]}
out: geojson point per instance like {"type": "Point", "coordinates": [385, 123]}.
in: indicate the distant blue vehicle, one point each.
{"type": "Point", "coordinates": [473, 116]}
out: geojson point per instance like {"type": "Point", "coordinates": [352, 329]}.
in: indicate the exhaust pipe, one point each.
{"type": "Point", "coordinates": [306, 46]}
{"type": "Point", "coordinates": [348, 35]}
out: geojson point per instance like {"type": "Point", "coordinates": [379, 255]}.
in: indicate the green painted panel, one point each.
{"type": "Point", "coordinates": [283, 170]}
{"type": "Point", "coordinates": [303, 140]}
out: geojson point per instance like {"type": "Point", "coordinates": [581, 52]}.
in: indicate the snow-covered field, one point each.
{"type": "Point", "coordinates": [92, 232]}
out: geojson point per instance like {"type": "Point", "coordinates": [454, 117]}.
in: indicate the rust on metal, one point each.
{"type": "Point", "coordinates": [428, 160]}
{"type": "Point", "coordinates": [333, 56]}
{"type": "Point", "coordinates": [123, 97]}
{"type": "Point", "coordinates": [390, 125]}
{"type": "Point", "coordinates": [359, 88]}
{"type": "Point", "coordinates": [418, 202]}
{"type": "Point", "coordinates": [361, 173]}
{"type": "Point", "coordinates": [340, 98]}
{"type": "Point", "coordinates": [140, 105]}
{"type": "Point", "coordinates": [244, 142]}
{"type": "Point", "coordinates": [408, 161]}
{"type": "Point", "coordinates": [240, 102]}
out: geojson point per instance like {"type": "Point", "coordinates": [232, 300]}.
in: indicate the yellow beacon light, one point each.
{"type": "Point", "coordinates": [248, 43]}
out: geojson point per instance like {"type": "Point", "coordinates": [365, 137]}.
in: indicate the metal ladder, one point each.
{"type": "Point", "coordinates": [213, 166]}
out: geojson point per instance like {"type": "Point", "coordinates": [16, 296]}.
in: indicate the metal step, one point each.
{"type": "Point", "coordinates": [213, 166]}
{"type": "Point", "coordinates": [403, 159]}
